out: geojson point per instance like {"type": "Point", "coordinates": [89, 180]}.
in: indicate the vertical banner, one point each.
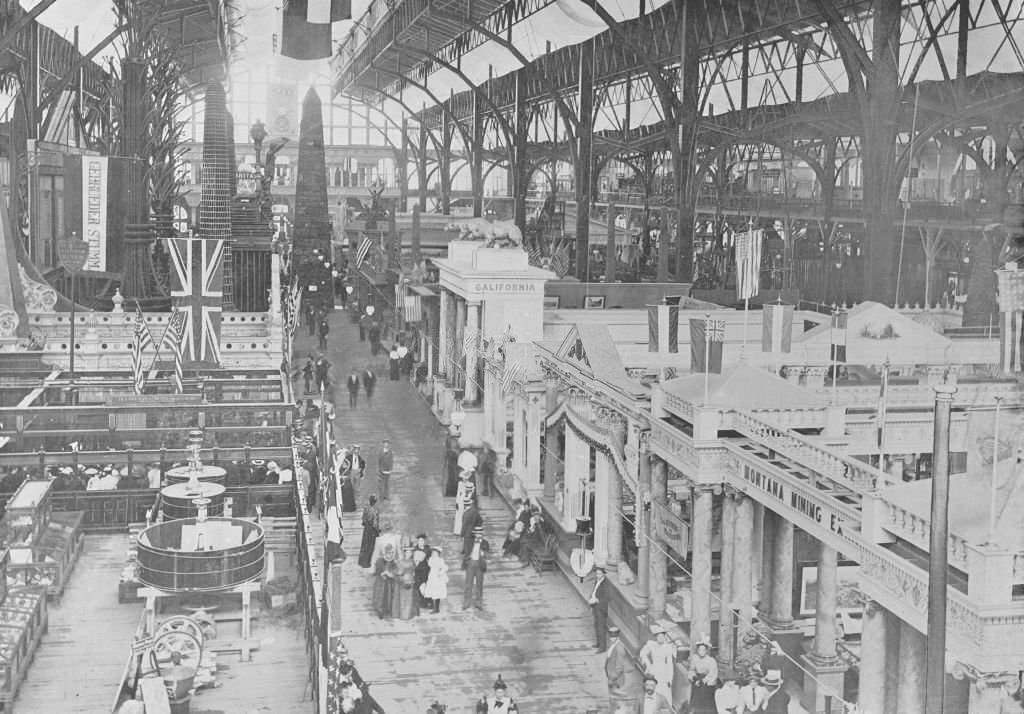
{"type": "Point", "coordinates": [94, 210]}
{"type": "Point", "coordinates": [283, 109]}
{"type": "Point", "coordinates": [777, 327]}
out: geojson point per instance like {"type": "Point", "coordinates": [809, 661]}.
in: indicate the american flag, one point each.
{"type": "Point", "coordinates": [513, 371]}
{"type": "Point", "coordinates": [412, 306]}
{"type": "Point", "coordinates": [172, 341]}
{"type": "Point", "coordinates": [142, 339]}
{"type": "Point", "coordinates": [748, 263]}
{"type": "Point", "coordinates": [199, 268]}
{"type": "Point", "coordinates": [363, 251]}
{"type": "Point", "coordinates": [470, 340]}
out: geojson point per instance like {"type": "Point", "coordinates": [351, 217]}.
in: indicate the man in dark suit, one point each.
{"type": "Point", "coordinates": [616, 664]}
{"type": "Point", "coordinates": [369, 383]}
{"type": "Point", "coordinates": [471, 518]}
{"type": "Point", "coordinates": [353, 390]}
{"type": "Point", "coordinates": [599, 607]}
{"type": "Point", "coordinates": [475, 565]}
{"type": "Point", "coordinates": [420, 555]}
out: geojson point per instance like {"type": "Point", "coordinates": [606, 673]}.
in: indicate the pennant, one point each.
{"type": "Point", "coordinates": [837, 348]}
{"type": "Point", "coordinates": [663, 328]}
{"type": "Point", "coordinates": [707, 338]}
{"type": "Point", "coordinates": [306, 32]}
{"type": "Point", "coordinates": [748, 263]}
{"type": "Point", "coordinates": [777, 327]}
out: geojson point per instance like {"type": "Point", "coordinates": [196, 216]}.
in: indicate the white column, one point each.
{"type": "Point", "coordinates": [700, 621]}
{"type": "Point", "coordinates": [472, 354]}
{"type": "Point", "coordinates": [442, 340]}
{"type": "Point", "coordinates": [742, 584]}
{"type": "Point", "coordinates": [534, 417]}
{"type": "Point", "coordinates": [872, 669]}
{"type": "Point", "coordinates": [576, 472]}
{"type": "Point", "coordinates": [275, 288]}
{"type": "Point", "coordinates": [910, 693]}
{"type": "Point", "coordinates": [601, 515]}
{"type": "Point", "coordinates": [487, 402]}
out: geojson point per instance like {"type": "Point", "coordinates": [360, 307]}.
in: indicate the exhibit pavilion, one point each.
{"type": "Point", "coordinates": [727, 293]}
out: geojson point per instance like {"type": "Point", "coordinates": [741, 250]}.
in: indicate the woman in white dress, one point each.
{"type": "Point", "coordinates": [462, 498]}
{"type": "Point", "coordinates": [436, 588]}
{"type": "Point", "coordinates": [658, 657]}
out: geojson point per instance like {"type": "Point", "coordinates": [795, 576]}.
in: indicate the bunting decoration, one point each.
{"type": "Point", "coordinates": [513, 371]}
{"type": "Point", "coordinates": [363, 251]}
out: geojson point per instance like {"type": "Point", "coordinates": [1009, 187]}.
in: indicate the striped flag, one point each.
{"type": "Point", "coordinates": [777, 328]}
{"type": "Point", "coordinates": [883, 399]}
{"type": "Point", "coordinates": [748, 263]}
{"type": "Point", "coordinates": [171, 340]}
{"type": "Point", "coordinates": [707, 338]}
{"type": "Point", "coordinates": [513, 371]}
{"type": "Point", "coordinates": [663, 328]}
{"type": "Point", "coordinates": [141, 339]}
{"type": "Point", "coordinates": [469, 340]}
{"type": "Point", "coordinates": [363, 251]}
{"type": "Point", "coordinates": [837, 349]}
{"type": "Point", "coordinates": [412, 306]}
{"type": "Point", "coordinates": [1011, 319]}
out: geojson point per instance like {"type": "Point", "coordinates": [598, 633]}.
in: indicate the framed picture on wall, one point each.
{"type": "Point", "coordinates": [849, 596]}
{"type": "Point", "coordinates": [551, 302]}
{"type": "Point", "coordinates": [593, 302]}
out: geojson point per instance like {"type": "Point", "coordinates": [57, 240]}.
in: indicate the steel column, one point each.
{"type": "Point", "coordinates": [518, 159]}
{"type": "Point", "coordinates": [584, 158]}
{"type": "Point", "coordinates": [477, 156]}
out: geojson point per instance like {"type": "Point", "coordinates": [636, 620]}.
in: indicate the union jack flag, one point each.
{"type": "Point", "coordinates": [199, 268]}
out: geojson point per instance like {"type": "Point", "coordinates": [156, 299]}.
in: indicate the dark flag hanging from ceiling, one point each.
{"type": "Point", "coordinates": [306, 34]}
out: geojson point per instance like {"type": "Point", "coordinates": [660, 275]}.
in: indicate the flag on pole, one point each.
{"type": "Point", "coordinates": [777, 327]}
{"type": "Point", "coordinates": [707, 338]}
{"type": "Point", "coordinates": [883, 398]}
{"type": "Point", "coordinates": [306, 32]}
{"type": "Point", "coordinates": [141, 339]}
{"type": "Point", "coordinates": [172, 340]}
{"type": "Point", "coordinates": [513, 370]}
{"type": "Point", "coordinates": [412, 306]}
{"type": "Point", "coordinates": [837, 349]}
{"type": "Point", "coordinates": [663, 328]}
{"type": "Point", "coordinates": [469, 340]}
{"type": "Point", "coordinates": [748, 263]}
{"type": "Point", "coordinates": [363, 251]}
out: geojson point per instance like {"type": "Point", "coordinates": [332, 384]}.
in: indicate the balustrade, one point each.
{"type": "Point", "coordinates": [917, 530]}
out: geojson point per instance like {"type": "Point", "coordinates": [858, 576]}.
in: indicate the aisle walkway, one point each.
{"type": "Point", "coordinates": [535, 631]}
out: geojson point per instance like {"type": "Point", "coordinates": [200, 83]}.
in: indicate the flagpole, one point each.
{"type": "Point", "coordinates": [707, 354]}
{"type": "Point", "coordinates": [882, 414]}
{"type": "Point", "coordinates": [993, 497]}
{"type": "Point", "coordinates": [834, 353]}
{"type": "Point", "coordinates": [746, 318]}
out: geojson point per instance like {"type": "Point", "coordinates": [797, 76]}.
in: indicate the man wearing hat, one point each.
{"type": "Point", "coordinates": [471, 518]}
{"type": "Point", "coordinates": [499, 703]}
{"type": "Point", "coordinates": [777, 701]}
{"type": "Point", "coordinates": [475, 565]}
{"type": "Point", "coordinates": [652, 702]}
{"type": "Point", "coordinates": [599, 607]}
{"type": "Point", "coordinates": [616, 664]}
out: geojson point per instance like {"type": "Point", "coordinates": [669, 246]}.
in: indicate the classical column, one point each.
{"type": "Point", "coordinates": [473, 352]}
{"type": "Point", "coordinates": [988, 693]}
{"type": "Point", "coordinates": [658, 558]}
{"type": "Point", "coordinates": [742, 585]}
{"type": "Point", "coordinates": [534, 417]}
{"type": "Point", "coordinates": [552, 460]}
{"type": "Point", "coordinates": [643, 526]}
{"type": "Point", "coordinates": [614, 516]}
{"type": "Point", "coordinates": [700, 619]}
{"type": "Point", "coordinates": [443, 327]}
{"type": "Point", "coordinates": [873, 667]}
{"type": "Point", "coordinates": [518, 434]}
{"type": "Point", "coordinates": [601, 512]}
{"type": "Point", "coordinates": [458, 375]}
{"type": "Point", "coordinates": [758, 555]}
{"type": "Point", "coordinates": [577, 468]}
{"type": "Point", "coordinates": [781, 577]}
{"type": "Point", "coordinates": [910, 694]}
{"type": "Point", "coordinates": [825, 669]}
{"type": "Point", "coordinates": [727, 566]}
{"type": "Point", "coordinates": [767, 563]}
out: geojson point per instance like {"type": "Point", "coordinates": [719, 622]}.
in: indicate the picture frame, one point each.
{"type": "Point", "coordinates": [551, 302]}
{"type": "Point", "coordinates": [849, 597]}
{"type": "Point", "coordinates": [593, 302]}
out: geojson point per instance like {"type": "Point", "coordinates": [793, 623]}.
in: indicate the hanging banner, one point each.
{"type": "Point", "coordinates": [94, 210]}
{"type": "Point", "coordinates": [283, 109]}
{"type": "Point", "coordinates": [670, 528]}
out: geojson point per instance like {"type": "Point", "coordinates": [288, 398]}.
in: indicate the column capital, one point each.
{"type": "Point", "coordinates": [1009, 681]}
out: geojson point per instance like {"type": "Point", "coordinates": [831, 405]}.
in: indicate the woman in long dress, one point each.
{"type": "Point", "coordinates": [462, 499]}
{"type": "Point", "coordinates": [385, 580]}
{"type": "Point", "coordinates": [408, 599]}
{"type": "Point", "coordinates": [371, 529]}
{"type": "Point", "coordinates": [436, 588]}
{"type": "Point", "coordinates": [343, 474]}
{"type": "Point", "coordinates": [704, 675]}
{"type": "Point", "coordinates": [658, 657]}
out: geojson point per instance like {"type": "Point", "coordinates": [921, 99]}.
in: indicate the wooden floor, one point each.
{"type": "Point", "coordinates": [82, 656]}
{"type": "Point", "coordinates": [536, 631]}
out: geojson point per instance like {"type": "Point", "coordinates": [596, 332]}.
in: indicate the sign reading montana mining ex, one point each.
{"type": "Point", "coordinates": [805, 504]}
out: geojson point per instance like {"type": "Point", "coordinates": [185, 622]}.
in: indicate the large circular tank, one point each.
{"type": "Point", "coordinates": [181, 474]}
{"type": "Point", "coordinates": [186, 555]}
{"type": "Point", "coordinates": [178, 497]}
